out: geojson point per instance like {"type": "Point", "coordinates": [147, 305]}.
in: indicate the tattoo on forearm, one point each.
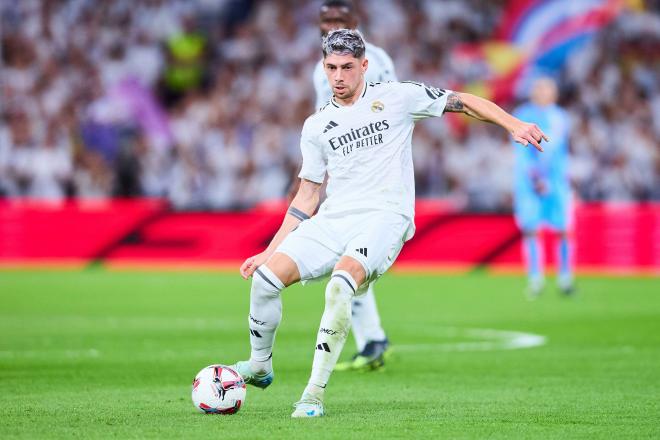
{"type": "Point", "coordinates": [454, 104]}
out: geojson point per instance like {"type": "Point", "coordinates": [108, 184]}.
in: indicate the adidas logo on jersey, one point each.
{"type": "Point", "coordinates": [330, 126]}
{"type": "Point", "coordinates": [363, 251]}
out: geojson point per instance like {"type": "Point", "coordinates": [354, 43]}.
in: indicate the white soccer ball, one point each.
{"type": "Point", "coordinates": [218, 389]}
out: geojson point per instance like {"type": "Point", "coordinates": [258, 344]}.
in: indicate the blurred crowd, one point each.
{"type": "Point", "coordinates": [202, 101]}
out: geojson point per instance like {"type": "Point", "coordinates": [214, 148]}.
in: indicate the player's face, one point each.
{"type": "Point", "coordinates": [544, 92]}
{"type": "Point", "coordinates": [333, 18]}
{"type": "Point", "coordinates": [345, 74]}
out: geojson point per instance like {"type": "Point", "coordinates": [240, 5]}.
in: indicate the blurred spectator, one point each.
{"type": "Point", "coordinates": [186, 61]}
{"type": "Point", "coordinates": [202, 101]}
{"type": "Point", "coordinates": [38, 169]}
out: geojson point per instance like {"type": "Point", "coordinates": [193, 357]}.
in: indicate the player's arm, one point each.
{"type": "Point", "coordinates": [522, 132]}
{"type": "Point", "coordinates": [301, 208]}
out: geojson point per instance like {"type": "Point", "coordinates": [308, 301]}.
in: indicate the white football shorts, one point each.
{"type": "Point", "coordinates": [374, 238]}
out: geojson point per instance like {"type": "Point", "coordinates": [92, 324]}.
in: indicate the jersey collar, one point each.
{"type": "Point", "coordinates": [364, 92]}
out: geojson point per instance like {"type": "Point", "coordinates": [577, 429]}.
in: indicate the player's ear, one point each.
{"type": "Point", "coordinates": [365, 65]}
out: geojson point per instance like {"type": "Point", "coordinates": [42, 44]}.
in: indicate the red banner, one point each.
{"type": "Point", "coordinates": [145, 233]}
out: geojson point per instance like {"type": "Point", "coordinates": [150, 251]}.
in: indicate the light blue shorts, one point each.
{"type": "Point", "coordinates": [533, 211]}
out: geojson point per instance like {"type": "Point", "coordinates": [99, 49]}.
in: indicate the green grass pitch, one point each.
{"type": "Point", "coordinates": [112, 355]}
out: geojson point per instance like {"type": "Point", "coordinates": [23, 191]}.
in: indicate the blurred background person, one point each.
{"type": "Point", "coordinates": [370, 339]}
{"type": "Point", "coordinates": [542, 192]}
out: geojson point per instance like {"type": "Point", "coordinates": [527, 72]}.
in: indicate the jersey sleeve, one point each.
{"type": "Point", "coordinates": [424, 101]}
{"type": "Point", "coordinates": [313, 160]}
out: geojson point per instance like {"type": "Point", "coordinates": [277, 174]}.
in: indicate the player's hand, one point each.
{"type": "Point", "coordinates": [251, 264]}
{"type": "Point", "coordinates": [525, 134]}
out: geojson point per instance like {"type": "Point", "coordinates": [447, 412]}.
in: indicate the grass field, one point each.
{"type": "Point", "coordinates": [112, 354]}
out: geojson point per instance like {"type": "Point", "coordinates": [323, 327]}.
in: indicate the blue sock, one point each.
{"type": "Point", "coordinates": [533, 252]}
{"type": "Point", "coordinates": [564, 257]}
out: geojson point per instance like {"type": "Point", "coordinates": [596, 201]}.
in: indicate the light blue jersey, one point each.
{"type": "Point", "coordinates": [541, 187]}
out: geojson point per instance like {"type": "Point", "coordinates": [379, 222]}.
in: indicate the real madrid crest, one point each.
{"type": "Point", "coordinates": [377, 106]}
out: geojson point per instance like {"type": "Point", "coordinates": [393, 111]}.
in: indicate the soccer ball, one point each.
{"type": "Point", "coordinates": [218, 389]}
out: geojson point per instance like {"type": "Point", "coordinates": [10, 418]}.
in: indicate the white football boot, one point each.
{"type": "Point", "coordinates": [307, 407]}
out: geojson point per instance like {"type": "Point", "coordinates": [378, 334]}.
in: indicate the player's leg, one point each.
{"type": "Point", "coordinates": [370, 338]}
{"type": "Point", "coordinates": [305, 253]}
{"type": "Point", "coordinates": [533, 253]}
{"type": "Point", "coordinates": [368, 317]}
{"type": "Point", "coordinates": [266, 307]}
{"type": "Point", "coordinates": [527, 211]}
{"type": "Point", "coordinates": [372, 246]}
{"type": "Point", "coordinates": [357, 327]}
{"type": "Point", "coordinates": [386, 236]}
{"type": "Point", "coordinates": [565, 275]}
{"type": "Point", "coordinates": [345, 279]}
{"type": "Point", "coordinates": [559, 217]}
{"type": "Point", "coordinates": [265, 316]}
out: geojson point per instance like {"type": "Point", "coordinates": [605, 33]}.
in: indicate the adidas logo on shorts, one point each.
{"type": "Point", "coordinates": [363, 251]}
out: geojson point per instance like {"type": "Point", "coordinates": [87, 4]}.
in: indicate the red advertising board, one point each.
{"type": "Point", "coordinates": [622, 238]}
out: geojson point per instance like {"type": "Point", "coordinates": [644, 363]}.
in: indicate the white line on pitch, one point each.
{"type": "Point", "coordinates": [487, 340]}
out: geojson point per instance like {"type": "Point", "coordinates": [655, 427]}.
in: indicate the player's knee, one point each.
{"type": "Point", "coordinates": [261, 289]}
{"type": "Point", "coordinates": [352, 267]}
{"type": "Point", "coordinates": [265, 283]}
{"type": "Point", "coordinates": [284, 267]}
{"type": "Point", "coordinates": [340, 289]}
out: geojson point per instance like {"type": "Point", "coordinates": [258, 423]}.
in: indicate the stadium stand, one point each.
{"type": "Point", "coordinates": [202, 102]}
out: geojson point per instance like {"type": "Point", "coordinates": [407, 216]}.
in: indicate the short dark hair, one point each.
{"type": "Point", "coordinates": [344, 42]}
{"type": "Point", "coordinates": [348, 4]}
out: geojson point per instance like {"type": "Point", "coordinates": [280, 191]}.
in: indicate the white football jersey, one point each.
{"type": "Point", "coordinates": [366, 147]}
{"type": "Point", "coordinates": [381, 69]}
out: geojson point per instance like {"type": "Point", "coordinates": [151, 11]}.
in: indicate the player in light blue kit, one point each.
{"type": "Point", "coordinates": [370, 339]}
{"type": "Point", "coordinates": [542, 194]}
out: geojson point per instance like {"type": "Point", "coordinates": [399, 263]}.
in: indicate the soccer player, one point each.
{"type": "Point", "coordinates": [370, 339]}
{"type": "Point", "coordinates": [361, 227]}
{"type": "Point", "coordinates": [542, 194]}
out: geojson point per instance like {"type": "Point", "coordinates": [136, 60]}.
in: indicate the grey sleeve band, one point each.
{"type": "Point", "coordinates": [297, 213]}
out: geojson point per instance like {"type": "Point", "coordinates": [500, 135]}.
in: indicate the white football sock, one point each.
{"type": "Point", "coordinates": [366, 320]}
{"type": "Point", "coordinates": [265, 317]}
{"type": "Point", "coordinates": [356, 323]}
{"type": "Point", "coordinates": [335, 324]}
